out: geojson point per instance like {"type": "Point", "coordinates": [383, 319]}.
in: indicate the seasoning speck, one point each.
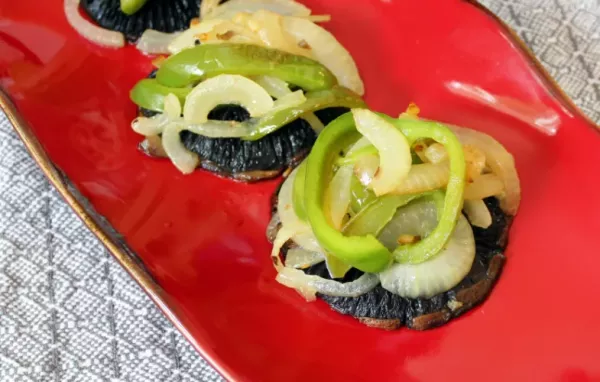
{"type": "Point", "coordinates": [303, 44]}
{"type": "Point", "coordinates": [226, 36]}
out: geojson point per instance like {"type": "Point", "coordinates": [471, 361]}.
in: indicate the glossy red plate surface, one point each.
{"type": "Point", "coordinates": [202, 238]}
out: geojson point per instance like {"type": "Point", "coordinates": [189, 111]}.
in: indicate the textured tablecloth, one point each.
{"type": "Point", "coordinates": [69, 312]}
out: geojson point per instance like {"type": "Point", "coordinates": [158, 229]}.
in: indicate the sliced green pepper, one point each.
{"type": "Point", "coordinates": [361, 195]}
{"type": "Point", "coordinates": [129, 7]}
{"type": "Point", "coordinates": [365, 252]}
{"type": "Point", "coordinates": [375, 216]}
{"type": "Point", "coordinates": [149, 94]}
{"type": "Point", "coordinates": [298, 192]}
{"type": "Point", "coordinates": [192, 65]}
{"type": "Point", "coordinates": [362, 252]}
{"type": "Point", "coordinates": [337, 96]}
{"type": "Point", "coordinates": [351, 158]}
{"type": "Point", "coordinates": [425, 249]}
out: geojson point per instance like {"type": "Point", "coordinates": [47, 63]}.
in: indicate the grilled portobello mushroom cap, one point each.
{"type": "Point", "coordinates": [161, 15]}
{"type": "Point", "coordinates": [382, 309]}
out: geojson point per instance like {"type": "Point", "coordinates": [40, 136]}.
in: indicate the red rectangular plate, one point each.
{"type": "Point", "coordinates": [199, 241]}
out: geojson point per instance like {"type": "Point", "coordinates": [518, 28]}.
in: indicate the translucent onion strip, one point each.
{"type": "Point", "coordinates": [304, 283]}
{"type": "Point", "coordinates": [424, 177]}
{"type": "Point", "coordinates": [365, 168]}
{"type": "Point", "coordinates": [308, 286]}
{"type": "Point", "coordinates": [213, 129]}
{"type": "Point", "coordinates": [501, 163]}
{"type": "Point", "coordinates": [475, 161]}
{"type": "Point", "coordinates": [278, 89]}
{"type": "Point", "coordinates": [222, 90]}
{"type": "Point", "coordinates": [190, 37]}
{"type": "Point", "coordinates": [478, 213]}
{"type": "Point", "coordinates": [337, 196]}
{"type": "Point", "coordinates": [184, 160]}
{"type": "Point", "coordinates": [302, 232]}
{"type": "Point", "coordinates": [151, 126]}
{"type": "Point", "coordinates": [91, 31]}
{"type": "Point", "coordinates": [337, 202]}
{"type": "Point", "coordinates": [155, 42]}
{"type": "Point", "coordinates": [172, 106]}
{"type": "Point", "coordinates": [394, 150]}
{"type": "Point", "coordinates": [268, 26]}
{"type": "Point", "coordinates": [438, 274]}
{"type": "Point", "coordinates": [484, 186]}
{"type": "Point", "coordinates": [300, 258]}
{"type": "Point", "coordinates": [314, 122]}
{"type": "Point", "coordinates": [435, 153]}
{"type": "Point", "coordinates": [327, 50]}
{"type": "Point", "coordinates": [207, 7]}
{"type": "Point", "coordinates": [232, 7]}
{"type": "Point", "coordinates": [287, 101]}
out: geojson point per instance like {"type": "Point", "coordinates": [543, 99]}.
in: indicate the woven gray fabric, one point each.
{"type": "Point", "coordinates": [69, 312]}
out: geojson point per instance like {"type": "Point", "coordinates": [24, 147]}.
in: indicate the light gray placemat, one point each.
{"type": "Point", "coordinates": [69, 312]}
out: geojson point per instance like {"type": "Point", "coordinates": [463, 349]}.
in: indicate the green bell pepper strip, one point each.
{"type": "Point", "coordinates": [365, 252]}
{"type": "Point", "coordinates": [453, 202]}
{"type": "Point", "coordinates": [192, 65]}
{"type": "Point", "coordinates": [377, 214]}
{"type": "Point", "coordinates": [298, 192]}
{"type": "Point", "coordinates": [351, 158]}
{"type": "Point", "coordinates": [337, 96]}
{"type": "Point", "coordinates": [362, 252]}
{"type": "Point", "coordinates": [129, 7]}
{"type": "Point", "coordinates": [149, 94]}
{"type": "Point", "coordinates": [361, 195]}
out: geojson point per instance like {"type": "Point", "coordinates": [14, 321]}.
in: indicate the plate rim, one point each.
{"type": "Point", "coordinates": [119, 250]}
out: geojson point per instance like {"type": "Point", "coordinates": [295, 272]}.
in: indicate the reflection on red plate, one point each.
{"type": "Point", "coordinates": [202, 238]}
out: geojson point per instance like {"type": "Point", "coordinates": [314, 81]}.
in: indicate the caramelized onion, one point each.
{"type": "Point", "coordinates": [478, 213]}
{"type": "Point", "coordinates": [438, 274]}
{"type": "Point", "coordinates": [484, 186]}
{"type": "Point", "coordinates": [184, 160]}
{"type": "Point", "coordinates": [307, 284]}
{"type": "Point", "coordinates": [222, 90]}
{"type": "Point", "coordinates": [300, 258]}
{"type": "Point", "coordinates": [232, 7]}
{"type": "Point", "coordinates": [326, 49]}
{"type": "Point", "coordinates": [90, 31]}
{"type": "Point", "coordinates": [394, 151]}
{"type": "Point", "coordinates": [301, 232]}
{"type": "Point", "coordinates": [155, 42]}
{"type": "Point", "coordinates": [337, 196]}
{"type": "Point", "coordinates": [501, 163]}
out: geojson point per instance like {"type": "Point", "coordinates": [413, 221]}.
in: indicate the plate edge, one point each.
{"type": "Point", "coordinates": [135, 269]}
{"type": "Point", "coordinates": [93, 221]}
{"type": "Point", "coordinates": [551, 85]}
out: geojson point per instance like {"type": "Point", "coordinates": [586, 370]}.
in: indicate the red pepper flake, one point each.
{"type": "Point", "coordinates": [413, 109]}
{"type": "Point", "coordinates": [157, 62]}
{"type": "Point", "coordinates": [202, 37]}
{"type": "Point", "coordinates": [303, 44]}
{"type": "Point", "coordinates": [408, 239]}
{"type": "Point", "coordinates": [194, 21]}
{"type": "Point", "coordinates": [226, 36]}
